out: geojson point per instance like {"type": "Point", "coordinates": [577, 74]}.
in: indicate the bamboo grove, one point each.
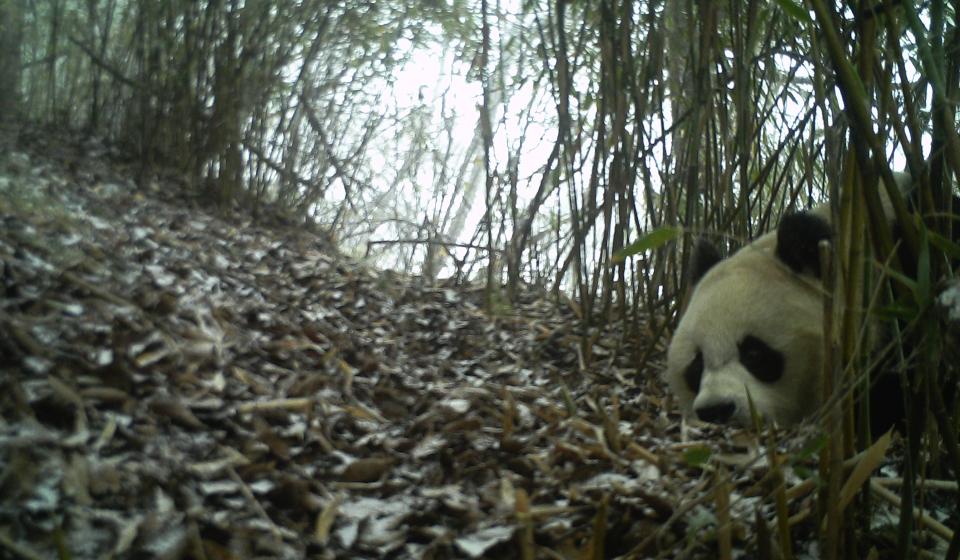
{"type": "Point", "coordinates": [607, 135]}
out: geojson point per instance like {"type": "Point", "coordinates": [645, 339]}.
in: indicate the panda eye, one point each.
{"type": "Point", "coordinates": [693, 373]}
{"type": "Point", "coordinates": [763, 362]}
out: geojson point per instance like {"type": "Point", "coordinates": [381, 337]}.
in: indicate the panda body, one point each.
{"type": "Point", "coordinates": [753, 326]}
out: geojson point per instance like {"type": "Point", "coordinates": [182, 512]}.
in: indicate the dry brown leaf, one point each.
{"type": "Point", "coordinates": [267, 435]}
{"type": "Point", "coordinates": [361, 412]}
{"type": "Point", "coordinates": [369, 469]}
{"type": "Point", "coordinates": [296, 405]}
{"type": "Point", "coordinates": [528, 550]}
{"type": "Point", "coordinates": [872, 458]}
{"type": "Point", "coordinates": [325, 520]}
{"type": "Point", "coordinates": [176, 411]}
{"type": "Point", "coordinates": [105, 394]}
{"type": "Point", "coordinates": [64, 392]}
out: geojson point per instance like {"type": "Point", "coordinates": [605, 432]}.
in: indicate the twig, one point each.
{"type": "Point", "coordinates": [248, 494]}
{"type": "Point", "coordinates": [21, 336]}
{"type": "Point", "coordinates": [429, 242]}
{"type": "Point", "coordinates": [99, 292]}
{"type": "Point", "coordinates": [928, 484]}
{"type": "Point", "coordinates": [276, 404]}
{"type": "Point", "coordinates": [937, 528]}
{"type": "Point", "coordinates": [339, 167]}
{"type": "Point", "coordinates": [722, 496]}
{"type": "Point", "coordinates": [120, 77]}
{"type": "Point", "coordinates": [19, 550]}
{"type": "Point", "coordinates": [279, 169]}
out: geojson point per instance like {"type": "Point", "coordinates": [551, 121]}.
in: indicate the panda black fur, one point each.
{"type": "Point", "coordinates": [754, 325]}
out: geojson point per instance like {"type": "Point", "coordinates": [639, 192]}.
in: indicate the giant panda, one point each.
{"type": "Point", "coordinates": [754, 326]}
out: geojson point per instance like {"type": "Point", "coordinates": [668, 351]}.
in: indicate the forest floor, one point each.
{"type": "Point", "coordinates": [178, 385]}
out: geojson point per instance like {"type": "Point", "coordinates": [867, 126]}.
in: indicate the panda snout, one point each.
{"type": "Point", "coordinates": [717, 413]}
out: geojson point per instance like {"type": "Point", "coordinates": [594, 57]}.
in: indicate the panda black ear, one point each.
{"type": "Point", "coordinates": [705, 255]}
{"type": "Point", "coordinates": [798, 239]}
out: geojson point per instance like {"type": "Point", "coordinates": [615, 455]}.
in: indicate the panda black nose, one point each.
{"type": "Point", "coordinates": [716, 413]}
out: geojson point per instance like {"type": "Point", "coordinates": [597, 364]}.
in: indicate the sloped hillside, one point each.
{"type": "Point", "coordinates": [176, 385]}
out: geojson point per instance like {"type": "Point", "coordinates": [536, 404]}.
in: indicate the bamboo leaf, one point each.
{"type": "Point", "coordinates": [653, 240]}
{"type": "Point", "coordinates": [696, 456]}
{"type": "Point", "coordinates": [812, 447]}
{"type": "Point", "coordinates": [910, 283]}
{"type": "Point", "coordinates": [948, 246]}
{"type": "Point", "coordinates": [861, 472]}
{"type": "Point", "coordinates": [794, 10]}
{"type": "Point", "coordinates": [894, 312]}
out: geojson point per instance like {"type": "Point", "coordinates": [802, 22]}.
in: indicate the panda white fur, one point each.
{"type": "Point", "coordinates": [753, 325]}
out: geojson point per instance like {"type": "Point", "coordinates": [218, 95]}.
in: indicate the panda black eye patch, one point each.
{"type": "Point", "coordinates": [763, 362]}
{"type": "Point", "coordinates": [694, 372]}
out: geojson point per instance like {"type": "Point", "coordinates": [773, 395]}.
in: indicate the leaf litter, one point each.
{"type": "Point", "coordinates": [179, 385]}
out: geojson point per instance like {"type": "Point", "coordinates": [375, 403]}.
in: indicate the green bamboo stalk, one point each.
{"type": "Point", "coordinates": [780, 497]}
{"type": "Point", "coordinates": [832, 455]}
{"type": "Point", "coordinates": [856, 106]}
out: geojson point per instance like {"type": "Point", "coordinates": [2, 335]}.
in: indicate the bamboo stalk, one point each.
{"type": "Point", "coordinates": [721, 489]}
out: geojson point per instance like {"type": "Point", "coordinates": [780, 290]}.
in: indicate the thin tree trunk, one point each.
{"type": "Point", "coordinates": [11, 38]}
{"type": "Point", "coordinates": [487, 131]}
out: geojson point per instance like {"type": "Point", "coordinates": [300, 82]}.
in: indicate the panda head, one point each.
{"type": "Point", "coordinates": [753, 326]}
